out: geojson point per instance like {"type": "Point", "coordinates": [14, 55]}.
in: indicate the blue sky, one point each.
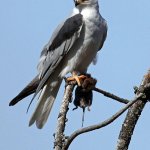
{"type": "Point", "coordinates": [26, 26]}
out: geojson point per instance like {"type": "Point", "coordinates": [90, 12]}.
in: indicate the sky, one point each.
{"type": "Point", "coordinates": [26, 26]}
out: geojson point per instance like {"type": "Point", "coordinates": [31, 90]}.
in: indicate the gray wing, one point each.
{"type": "Point", "coordinates": [62, 40]}
{"type": "Point", "coordinates": [29, 89]}
{"type": "Point", "coordinates": [104, 29]}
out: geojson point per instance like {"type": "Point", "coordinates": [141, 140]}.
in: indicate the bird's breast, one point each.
{"type": "Point", "coordinates": [83, 52]}
{"type": "Point", "coordinates": [86, 47]}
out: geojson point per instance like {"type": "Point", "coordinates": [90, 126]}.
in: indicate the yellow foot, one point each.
{"type": "Point", "coordinates": [78, 79]}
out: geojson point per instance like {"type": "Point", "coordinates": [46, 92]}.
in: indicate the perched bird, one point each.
{"type": "Point", "coordinates": [71, 49]}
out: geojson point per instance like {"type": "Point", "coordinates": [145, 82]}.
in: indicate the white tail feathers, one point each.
{"type": "Point", "coordinates": [44, 106]}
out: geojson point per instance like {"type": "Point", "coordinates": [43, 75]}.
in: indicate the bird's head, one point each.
{"type": "Point", "coordinates": [85, 2]}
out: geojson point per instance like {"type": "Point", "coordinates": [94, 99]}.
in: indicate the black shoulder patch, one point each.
{"type": "Point", "coordinates": [71, 25]}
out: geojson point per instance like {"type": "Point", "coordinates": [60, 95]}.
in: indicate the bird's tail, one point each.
{"type": "Point", "coordinates": [45, 103]}
{"type": "Point", "coordinates": [28, 90]}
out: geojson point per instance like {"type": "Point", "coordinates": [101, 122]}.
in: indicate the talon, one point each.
{"type": "Point", "coordinates": [78, 79]}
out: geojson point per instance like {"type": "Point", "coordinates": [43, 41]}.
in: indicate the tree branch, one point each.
{"type": "Point", "coordinates": [100, 125]}
{"type": "Point", "coordinates": [110, 95]}
{"type": "Point", "coordinates": [59, 135]}
{"type": "Point", "coordinates": [133, 114]}
{"type": "Point", "coordinates": [141, 97]}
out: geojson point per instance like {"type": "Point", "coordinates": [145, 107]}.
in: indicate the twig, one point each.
{"type": "Point", "coordinates": [110, 95]}
{"type": "Point", "coordinates": [59, 135]}
{"type": "Point", "coordinates": [133, 115]}
{"type": "Point", "coordinates": [100, 125]}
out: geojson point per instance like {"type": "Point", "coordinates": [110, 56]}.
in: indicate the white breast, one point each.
{"type": "Point", "coordinates": [80, 59]}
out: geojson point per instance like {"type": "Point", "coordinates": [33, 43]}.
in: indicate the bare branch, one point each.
{"type": "Point", "coordinates": [110, 95]}
{"type": "Point", "coordinates": [59, 135]}
{"type": "Point", "coordinates": [133, 114]}
{"type": "Point", "coordinates": [62, 143]}
{"type": "Point", "coordinates": [100, 125]}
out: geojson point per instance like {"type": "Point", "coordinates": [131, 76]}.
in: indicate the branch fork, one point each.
{"type": "Point", "coordinates": [135, 106]}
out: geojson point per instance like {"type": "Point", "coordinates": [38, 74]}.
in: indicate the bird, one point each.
{"type": "Point", "coordinates": [72, 47]}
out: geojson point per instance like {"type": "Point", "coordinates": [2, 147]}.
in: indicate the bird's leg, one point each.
{"type": "Point", "coordinates": [78, 78]}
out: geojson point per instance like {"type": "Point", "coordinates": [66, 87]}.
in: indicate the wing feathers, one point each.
{"type": "Point", "coordinates": [45, 104]}
{"type": "Point", "coordinates": [71, 25]}
{"type": "Point", "coordinates": [29, 89]}
{"type": "Point", "coordinates": [58, 48]}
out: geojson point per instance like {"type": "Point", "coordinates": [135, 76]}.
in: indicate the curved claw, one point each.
{"type": "Point", "coordinates": [78, 79]}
